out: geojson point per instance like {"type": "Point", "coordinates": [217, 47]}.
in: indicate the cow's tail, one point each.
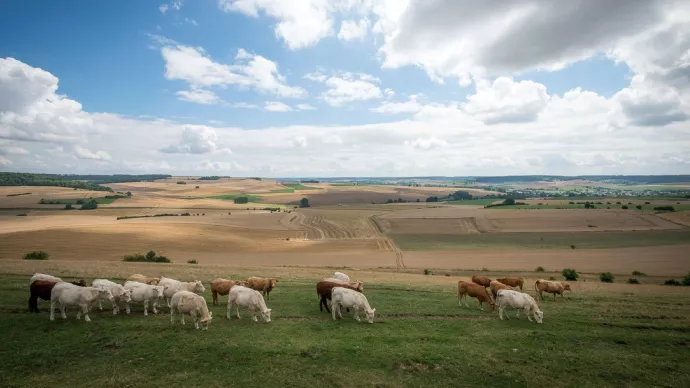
{"type": "Point", "coordinates": [535, 287]}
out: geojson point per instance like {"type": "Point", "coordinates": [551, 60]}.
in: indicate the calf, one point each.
{"type": "Point", "coordinates": [222, 286]}
{"type": "Point", "coordinates": [250, 299]}
{"type": "Point", "coordinates": [263, 285]}
{"type": "Point", "coordinates": [552, 287]}
{"type": "Point", "coordinates": [325, 286]}
{"type": "Point", "coordinates": [144, 279]}
{"type": "Point", "coordinates": [121, 295]}
{"type": "Point", "coordinates": [346, 297]}
{"type": "Point", "coordinates": [41, 289]}
{"type": "Point", "coordinates": [186, 302]}
{"type": "Point", "coordinates": [66, 294]}
{"type": "Point", "coordinates": [341, 276]}
{"type": "Point", "coordinates": [143, 293]}
{"type": "Point", "coordinates": [172, 286]}
{"type": "Point", "coordinates": [495, 285]}
{"type": "Point", "coordinates": [519, 301]}
{"type": "Point", "coordinates": [513, 282]}
{"type": "Point", "coordinates": [476, 291]}
{"type": "Point", "coordinates": [481, 280]}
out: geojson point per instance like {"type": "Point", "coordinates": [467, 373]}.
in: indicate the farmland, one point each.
{"type": "Point", "coordinates": [421, 337]}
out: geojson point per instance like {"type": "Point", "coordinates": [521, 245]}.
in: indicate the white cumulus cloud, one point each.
{"type": "Point", "coordinates": [196, 139]}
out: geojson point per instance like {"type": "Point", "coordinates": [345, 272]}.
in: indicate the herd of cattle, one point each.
{"type": "Point", "coordinates": [334, 293]}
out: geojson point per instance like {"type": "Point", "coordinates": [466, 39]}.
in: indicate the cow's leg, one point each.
{"type": "Point", "coordinates": [182, 316]}
{"type": "Point", "coordinates": [554, 296]}
{"type": "Point", "coordinates": [172, 315]}
{"type": "Point", "coordinates": [481, 304]}
{"type": "Point", "coordinates": [62, 311]}
{"type": "Point", "coordinates": [127, 308]}
{"type": "Point", "coordinates": [214, 294]}
{"type": "Point", "coordinates": [167, 300]}
{"type": "Point", "coordinates": [100, 305]}
{"type": "Point", "coordinates": [146, 307]}
{"type": "Point", "coordinates": [356, 313]}
{"type": "Point", "coordinates": [227, 310]}
{"type": "Point", "coordinates": [52, 310]}
{"type": "Point", "coordinates": [527, 312]}
{"type": "Point", "coordinates": [238, 310]}
{"type": "Point", "coordinates": [465, 299]}
{"type": "Point", "coordinates": [333, 310]}
{"type": "Point", "coordinates": [155, 304]}
{"type": "Point", "coordinates": [85, 310]}
{"type": "Point", "coordinates": [254, 318]}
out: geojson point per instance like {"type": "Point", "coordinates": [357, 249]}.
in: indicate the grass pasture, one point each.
{"type": "Point", "coordinates": [614, 336]}
{"type": "Point", "coordinates": [546, 240]}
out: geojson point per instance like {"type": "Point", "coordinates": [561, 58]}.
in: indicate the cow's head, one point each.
{"type": "Point", "coordinates": [538, 315]}
{"type": "Point", "coordinates": [160, 290]}
{"type": "Point", "coordinates": [266, 315]}
{"type": "Point", "coordinates": [126, 296]}
{"type": "Point", "coordinates": [80, 283]}
{"type": "Point", "coordinates": [359, 286]}
{"type": "Point", "coordinates": [154, 281]}
{"type": "Point", "coordinates": [242, 283]}
{"type": "Point", "coordinates": [206, 321]}
{"type": "Point", "coordinates": [370, 315]}
{"type": "Point", "coordinates": [566, 286]}
{"type": "Point", "coordinates": [199, 287]}
{"type": "Point", "coordinates": [105, 293]}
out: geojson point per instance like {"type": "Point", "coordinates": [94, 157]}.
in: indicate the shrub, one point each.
{"type": "Point", "coordinates": [624, 207]}
{"type": "Point", "coordinates": [80, 201]}
{"type": "Point", "coordinates": [509, 202]}
{"type": "Point", "coordinates": [241, 200]}
{"type": "Point", "coordinates": [646, 203]}
{"type": "Point", "coordinates": [570, 274]}
{"type": "Point", "coordinates": [68, 207]}
{"type": "Point", "coordinates": [664, 208]}
{"type": "Point", "coordinates": [633, 281]}
{"type": "Point", "coordinates": [572, 246]}
{"type": "Point", "coordinates": [638, 273]}
{"type": "Point", "coordinates": [150, 255]}
{"type": "Point", "coordinates": [91, 205]}
{"type": "Point", "coordinates": [147, 259]}
{"type": "Point", "coordinates": [638, 207]}
{"type": "Point", "coordinates": [304, 202]}
{"type": "Point", "coordinates": [185, 214]}
{"type": "Point", "coordinates": [21, 215]}
{"type": "Point", "coordinates": [672, 282]}
{"type": "Point", "coordinates": [606, 277]}
{"type": "Point", "coordinates": [192, 262]}
{"type": "Point", "coordinates": [571, 203]}
{"type": "Point", "coordinates": [181, 182]}
{"type": "Point", "coordinates": [539, 269]}
{"type": "Point", "coordinates": [427, 272]}
{"type": "Point", "coordinates": [686, 280]}
{"type": "Point", "coordinates": [37, 255]}
{"type": "Point", "coordinates": [618, 203]}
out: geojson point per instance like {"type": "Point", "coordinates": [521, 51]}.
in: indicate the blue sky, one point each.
{"type": "Point", "coordinates": [245, 87]}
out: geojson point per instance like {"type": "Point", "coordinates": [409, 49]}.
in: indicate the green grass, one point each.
{"type": "Point", "coordinates": [73, 201]}
{"type": "Point", "coordinates": [299, 186]}
{"type": "Point", "coordinates": [279, 191]}
{"type": "Point", "coordinates": [421, 338]}
{"type": "Point", "coordinates": [252, 198]}
{"type": "Point", "coordinates": [533, 240]}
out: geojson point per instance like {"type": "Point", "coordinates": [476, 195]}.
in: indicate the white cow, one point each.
{"type": "Point", "coordinates": [520, 301]}
{"type": "Point", "coordinates": [175, 285]}
{"type": "Point", "coordinates": [193, 304]}
{"type": "Point", "coordinates": [345, 297]}
{"type": "Point", "coordinates": [143, 293]}
{"type": "Point", "coordinates": [120, 294]}
{"type": "Point", "coordinates": [251, 299]}
{"type": "Point", "coordinates": [341, 276]}
{"type": "Point", "coordinates": [42, 276]}
{"type": "Point", "coordinates": [67, 294]}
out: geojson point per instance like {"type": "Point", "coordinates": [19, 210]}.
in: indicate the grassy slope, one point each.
{"type": "Point", "coordinates": [531, 240]}
{"type": "Point", "coordinates": [589, 340]}
{"type": "Point", "coordinates": [299, 186]}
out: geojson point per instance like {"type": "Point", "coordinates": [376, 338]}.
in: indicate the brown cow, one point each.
{"type": "Point", "coordinates": [481, 280]}
{"type": "Point", "coordinates": [475, 291]}
{"type": "Point", "coordinates": [513, 282]}
{"type": "Point", "coordinates": [263, 285]}
{"type": "Point", "coordinates": [495, 285]}
{"type": "Point", "coordinates": [324, 288]}
{"type": "Point", "coordinates": [41, 289]}
{"type": "Point", "coordinates": [551, 287]}
{"type": "Point", "coordinates": [222, 286]}
{"type": "Point", "coordinates": [144, 279]}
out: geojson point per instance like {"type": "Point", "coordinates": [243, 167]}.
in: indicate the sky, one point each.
{"type": "Point", "coordinates": [343, 88]}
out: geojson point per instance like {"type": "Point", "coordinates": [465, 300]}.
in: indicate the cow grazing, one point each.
{"type": "Point", "coordinates": [263, 285]}
{"type": "Point", "coordinates": [66, 294]}
{"type": "Point", "coordinates": [519, 301]}
{"type": "Point", "coordinates": [475, 291]}
{"type": "Point", "coordinates": [144, 279]}
{"type": "Point", "coordinates": [341, 276]}
{"type": "Point", "coordinates": [41, 289]}
{"type": "Point", "coordinates": [222, 286]}
{"type": "Point", "coordinates": [121, 295]}
{"type": "Point", "coordinates": [513, 282]}
{"type": "Point", "coordinates": [186, 302]}
{"type": "Point", "coordinates": [172, 286]}
{"type": "Point", "coordinates": [345, 297]}
{"type": "Point", "coordinates": [481, 280]}
{"type": "Point", "coordinates": [325, 287]}
{"type": "Point", "coordinates": [495, 285]}
{"type": "Point", "coordinates": [250, 299]}
{"type": "Point", "coordinates": [552, 287]}
{"type": "Point", "coordinates": [42, 276]}
{"type": "Point", "coordinates": [143, 293]}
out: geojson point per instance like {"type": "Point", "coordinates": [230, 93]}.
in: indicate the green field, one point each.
{"type": "Point", "coordinates": [298, 186]}
{"type": "Point", "coordinates": [252, 198]}
{"type": "Point", "coordinates": [73, 201]}
{"type": "Point", "coordinates": [421, 338]}
{"type": "Point", "coordinates": [546, 240]}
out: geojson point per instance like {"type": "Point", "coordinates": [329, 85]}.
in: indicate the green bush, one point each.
{"type": "Point", "coordinates": [91, 205]}
{"type": "Point", "coordinates": [606, 277]}
{"type": "Point", "coordinates": [68, 207]}
{"type": "Point", "coordinates": [633, 281]}
{"type": "Point", "coordinates": [192, 262]}
{"type": "Point", "coordinates": [672, 282]}
{"type": "Point", "coordinates": [150, 257]}
{"type": "Point", "coordinates": [37, 255]}
{"type": "Point", "coordinates": [21, 215]}
{"type": "Point", "coordinates": [427, 272]}
{"type": "Point", "coordinates": [638, 207]}
{"type": "Point", "coordinates": [664, 208]}
{"type": "Point", "coordinates": [624, 207]}
{"type": "Point", "coordinates": [539, 269]}
{"type": "Point", "coordinates": [241, 200]}
{"type": "Point", "coordinates": [686, 280]}
{"type": "Point", "coordinates": [570, 274]}
{"type": "Point", "coordinates": [638, 273]}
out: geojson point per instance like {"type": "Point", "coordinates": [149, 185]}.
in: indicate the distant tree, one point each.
{"type": "Point", "coordinates": [624, 207]}
{"type": "Point", "coordinates": [304, 202]}
{"type": "Point", "coordinates": [638, 207]}
{"type": "Point", "coordinates": [129, 193]}
{"type": "Point", "coordinates": [461, 195]}
{"type": "Point", "coordinates": [241, 200]}
{"type": "Point", "coordinates": [69, 206]}
{"type": "Point", "coordinates": [570, 274]}
{"type": "Point", "coordinates": [91, 205]}
{"type": "Point", "coordinates": [432, 199]}
{"type": "Point", "coordinates": [606, 277]}
{"type": "Point", "coordinates": [509, 202]}
{"type": "Point", "coordinates": [418, 200]}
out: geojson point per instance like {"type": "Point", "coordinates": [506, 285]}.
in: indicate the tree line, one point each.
{"type": "Point", "coordinates": [24, 179]}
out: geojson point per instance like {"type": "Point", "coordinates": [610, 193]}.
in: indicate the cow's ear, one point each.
{"type": "Point", "coordinates": [268, 310]}
{"type": "Point", "coordinates": [210, 314]}
{"type": "Point", "coordinates": [373, 310]}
